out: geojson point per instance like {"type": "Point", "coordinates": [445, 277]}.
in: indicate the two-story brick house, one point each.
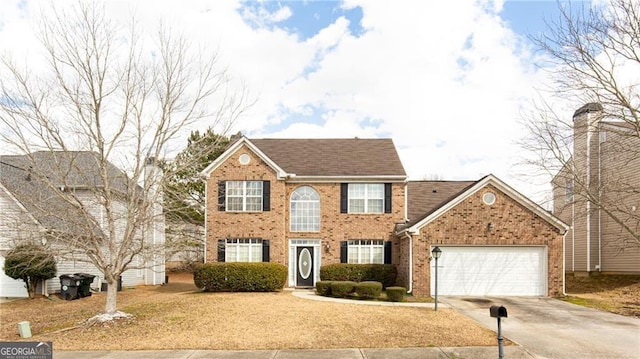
{"type": "Point", "coordinates": [310, 202]}
{"type": "Point", "coordinates": [596, 192]}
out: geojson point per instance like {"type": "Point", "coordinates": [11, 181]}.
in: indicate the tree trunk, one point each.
{"type": "Point", "coordinates": [112, 294]}
{"type": "Point", "coordinates": [31, 287]}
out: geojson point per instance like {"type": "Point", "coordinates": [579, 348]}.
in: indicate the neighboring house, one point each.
{"type": "Point", "coordinates": [30, 210]}
{"type": "Point", "coordinates": [184, 243]}
{"type": "Point", "coordinates": [311, 202]}
{"type": "Point", "coordinates": [597, 194]}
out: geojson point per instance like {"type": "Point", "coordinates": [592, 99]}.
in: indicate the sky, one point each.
{"type": "Point", "coordinates": [446, 80]}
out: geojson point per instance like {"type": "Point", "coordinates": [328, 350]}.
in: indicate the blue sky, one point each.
{"type": "Point", "coordinates": [447, 80]}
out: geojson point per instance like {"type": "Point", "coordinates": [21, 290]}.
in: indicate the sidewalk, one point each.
{"type": "Point", "coordinates": [511, 352]}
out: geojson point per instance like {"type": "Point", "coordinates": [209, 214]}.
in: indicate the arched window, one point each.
{"type": "Point", "coordinates": [305, 210]}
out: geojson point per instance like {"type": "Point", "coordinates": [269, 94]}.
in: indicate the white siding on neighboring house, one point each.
{"type": "Point", "coordinates": [130, 277]}
{"type": "Point", "coordinates": [69, 266]}
{"type": "Point", "coordinates": [17, 224]}
{"type": "Point", "coordinates": [10, 287]}
{"type": "Point", "coordinates": [14, 223]}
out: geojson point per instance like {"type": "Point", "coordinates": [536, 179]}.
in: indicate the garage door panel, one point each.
{"type": "Point", "coordinates": [490, 271]}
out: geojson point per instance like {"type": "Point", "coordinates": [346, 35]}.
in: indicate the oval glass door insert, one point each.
{"type": "Point", "coordinates": [304, 263]}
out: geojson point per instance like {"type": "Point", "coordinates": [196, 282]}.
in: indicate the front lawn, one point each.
{"type": "Point", "coordinates": [618, 294]}
{"type": "Point", "coordinates": [177, 316]}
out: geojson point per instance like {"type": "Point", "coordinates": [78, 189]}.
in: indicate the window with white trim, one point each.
{"type": "Point", "coordinates": [305, 210]}
{"type": "Point", "coordinates": [366, 197]}
{"type": "Point", "coordinates": [244, 196]}
{"type": "Point", "coordinates": [243, 250]}
{"type": "Point", "coordinates": [365, 251]}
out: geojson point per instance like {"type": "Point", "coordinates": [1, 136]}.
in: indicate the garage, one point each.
{"type": "Point", "coordinates": [9, 287]}
{"type": "Point", "coordinates": [491, 271]}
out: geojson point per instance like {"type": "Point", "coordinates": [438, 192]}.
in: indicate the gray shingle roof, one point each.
{"type": "Point", "coordinates": [334, 157]}
{"type": "Point", "coordinates": [72, 169]}
{"type": "Point", "coordinates": [425, 197]}
{"type": "Point", "coordinates": [22, 177]}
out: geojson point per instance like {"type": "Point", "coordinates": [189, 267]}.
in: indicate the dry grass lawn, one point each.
{"type": "Point", "coordinates": [618, 294]}
{"type": "Point", "coordinates": [177, 316]}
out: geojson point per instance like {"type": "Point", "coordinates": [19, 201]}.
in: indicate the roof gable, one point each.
{"type": "Point", "coordinates": [438, 210]}
{"type": "Point", "coordinates": [233, 148]}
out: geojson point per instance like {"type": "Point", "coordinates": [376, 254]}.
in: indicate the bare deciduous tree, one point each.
{"type": "Point", "coordinates": [594, 58]}
{"type": "Point", "coordinates": [89, 124]}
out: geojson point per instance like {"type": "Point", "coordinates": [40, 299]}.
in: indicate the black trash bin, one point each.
{"type": "Point", "coordinates": [104, 286]}
{"type": "Point", "coordinates": [84, 290]}
{"type": "Point", "coordinates": [69, 284]}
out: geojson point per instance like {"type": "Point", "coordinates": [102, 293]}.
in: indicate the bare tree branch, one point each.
{"type": "Point", "coordinates": [88, 127]}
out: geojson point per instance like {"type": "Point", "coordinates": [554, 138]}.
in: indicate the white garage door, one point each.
{"type": "Point", "coordinates": [479, 271]}
{"type": "Point", "coordinates": [10, 287]}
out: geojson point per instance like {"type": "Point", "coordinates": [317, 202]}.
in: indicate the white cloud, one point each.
{"type": "Point", "coordinates": [442, 78]}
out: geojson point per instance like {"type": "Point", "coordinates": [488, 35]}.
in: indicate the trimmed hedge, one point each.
{"type": "Point", "coordinates": [323, 288]}
{"type": "Point", "coordinates": [240, 277]}
{"type": "Point", "coordinates": [396, 294]}
{"type": "Point", "coordinates": [342, 289]}
{"type": "Point", "coordinates": [369, 290]}
{"type": "Point", "coordinates": [383, 273]}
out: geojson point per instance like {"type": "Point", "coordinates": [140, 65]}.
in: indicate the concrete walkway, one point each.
{"type": "Point", "coordinates": [511, 352]}
{"type": "Point", "coordinates": [310, 294]}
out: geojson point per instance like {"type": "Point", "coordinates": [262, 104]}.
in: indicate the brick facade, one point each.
{"type": "Point", "coordinates": [466, 224]}
{"type": "Point", "coordinates": [463, 224]}
{"type": "Point", "coordinates": [274, 225]}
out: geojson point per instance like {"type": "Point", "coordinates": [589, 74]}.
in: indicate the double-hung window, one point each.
{"type": "Point", "coordinates": [243, 250]}
{"type": "Point", "coordinates": [243, 196]}
{"type": "Point", "coordinates": [365, 251]}
{"type": "Point", "coordinates": [365, 198]}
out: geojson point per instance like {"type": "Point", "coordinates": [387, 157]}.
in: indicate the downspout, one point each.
{"type": "Point", "coordinates": [406, 233]}
{"type": "Point", "coordinates": [573, 235]}
{"type": "Point", "coordinates": [599, 267]}
{"type": "Point", "coordinates": [410, 289]}
{"type": "Point", "coordinates": [564, 282]}
{"type": "Point", "coordinates": [588, 181]}
{"type": "Point", "coordinates": [204, 260]}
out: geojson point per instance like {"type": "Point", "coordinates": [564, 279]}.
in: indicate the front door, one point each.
{"type": "Point", "coordinates": [304, 275]}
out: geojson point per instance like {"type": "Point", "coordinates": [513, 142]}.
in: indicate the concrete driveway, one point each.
{"type": "Point", "coordinates": [550, 328]}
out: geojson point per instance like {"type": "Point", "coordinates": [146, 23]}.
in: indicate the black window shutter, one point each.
{"type": "Point", "coordinates": [265, 251]}
{"type": "Point", "coordinates": [266, 196]}
{"type": "Point", "coordinates": [344, 200]}
{"type": "Point", "coordinates": [387, 198]}
{"type": "Point", "coordinates": [221, 247]}
{"type": "Point", "coordinates": [222, 195]}
{"type": "Point", "coordinates": [387, 252]}
{"type": "Point", "coordinates": [343, 252]}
